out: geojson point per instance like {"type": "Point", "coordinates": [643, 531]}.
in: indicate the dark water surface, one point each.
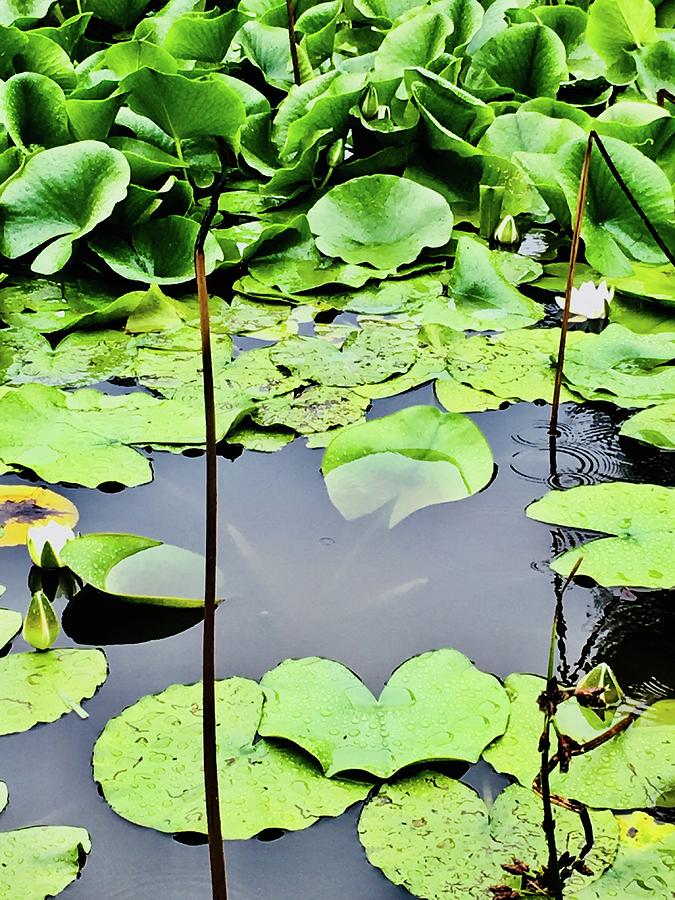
{"type": "Point", "coordinates": [302, 582]}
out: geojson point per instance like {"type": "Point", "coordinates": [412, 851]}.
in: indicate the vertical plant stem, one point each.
{"type": "Point", "coordinates": [574, 250]}
{"type": "Point", "coordinates": [297, 77]}
{"type": "Point", "coordinates": [209, 735]}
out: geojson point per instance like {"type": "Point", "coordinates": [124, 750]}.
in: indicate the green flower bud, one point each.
{"type": "Point", "coordinates": [370, 103]}
{"type": "Point", "coordinates": [40, 627]}
{"type": "Point", "coordinates": [45, 543]}
{"type": "Point", "coordinates": [336, 153]}
{"type": "Point", "coordinates": [506, 232]}
{"type": "Point", "coordinates": [603, 680]}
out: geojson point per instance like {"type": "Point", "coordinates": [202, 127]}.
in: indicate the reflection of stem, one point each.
{"type": "Point", "coordinates": [297, 77]}
{"type": "Point", "coordinates": [209, 734]}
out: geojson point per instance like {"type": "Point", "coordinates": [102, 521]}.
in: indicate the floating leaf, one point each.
{"type": "Point", "coordinates": [42, 687]}
{"type": "Point", "coordinates": [317, 408]}
{"type": "Point", "coordinates": [622, 367]}
{"type": "Point", "coordinates": [434, 836]}
{"type": "Point", "coordinates": [653, 426]}
{"type": "Point", "coordinates": [137, 569]}
{"type": "Point", "coordinates": [411, 459]}
{"type": "Point", "coordinates": [22, 506]}
{"type": "Point", "coordinates": [636, 768]}
{"type": "Point", "coordinates": [380, 219]}
{"type": "Point", "coordinates": [148, 761]}
{"type": "Point", "coordinates": [645, 864]}
{"type": "Point", "coordinates": [435, 706]}
{"type": "Point", "coordinates": [375, 352]}
{"type": "Point", "coordinates": [10, 626]}
{"type": "Point", "coordinates": [640, 516]}
{"type": "Point", "coordinates": [59, 195]}
{"type": "Point", "coordinates": [86, 437]}
{"type": "Point", "coordinates": [41, 861]}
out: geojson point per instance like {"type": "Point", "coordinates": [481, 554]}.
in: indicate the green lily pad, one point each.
{"type": "Point", "coordinates": [138, 569]}
{"type": "Point", "coordinates": [317, 408]}
{"type": "Point", "coordinates": [481, 298]}
{"type": "Point", "coordinates": [12, 10]}
{"type": "Point", "coordinates": [408, 460]}
{"type": "Point", "coordinates": [375, 352]}
{"type": "Point", "coordinates": [41, 861]}
{"type": "Point", "coordinates": [87, 437]}
{"type": "Point", "coordinates": [382, 220]}
{"type": "Point", "coordinates": [58, 196]}
{"type": "Point", "coordinates": [148, 761]}
{"type": "Point", "coordinates": [461, 398]}
{"type": "Point", "coordinates": [636, 768]}
{"type": "Point", "coordinates": [42, 687]}
{"type": "Point", "coordinates": [435, 836]}
{"type": "Point", "coordinates": [655, 425]}
{"type": "Point", "coordinates": [644, 865]}
{"type": "Point", "coordinates": [159, 252]}
{"type": "Point", "coordinates": [622, 367]}
{"type": "Point", "coordinates": [615, 29]}
{"type": "Point", "coordinates": [10, 626]}
{"type": "Point", "coordinates": [641, 517]}
{"type": "Point", "coordinates": [435, 706]}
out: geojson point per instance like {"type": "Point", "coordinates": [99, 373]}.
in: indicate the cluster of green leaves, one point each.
{"type": "Point", "coordinates": [435, 707]}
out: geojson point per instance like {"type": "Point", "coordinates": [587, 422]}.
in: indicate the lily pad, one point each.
{"type": "Point", "coordinates": [87, 437]}
{"type": "Point", "coordinates": [372, 354]}
{"type": "Point", "coordinates": [42, 687]}
{"type": "Point", "coordinates": [622, 367]}
{"type": "Point", "coordinates": [382, 220]}
{"type": "Point", "coordinates": [641, 516]}
{"type": "Point", "coordinates": [644, 865]}
{"type": "Point", "coordinates": [58, 196]}
{"type": "Point", "coordinates": [435, 706]}
{"type": "Point", "coordinates": [655, 426]}
{"type": "Point", "coordinates": [41, 861]}
{"type": "Point", "coordinates": [137, 569]}
{"type": "Point", "coordinates": [10, 626]}
{"type": "Point", "coordinates": [22, 506]}
{"type": "Point", "coordinates": [434, 836]}
{"type": "Point", "coordinates": [316, 409]}
{"type": "Point", "coordinates": [636, 768]}
{"type": "Point", "coordinates": [414, 458]}
{"type": "Point", "coordinates": [148, 761]}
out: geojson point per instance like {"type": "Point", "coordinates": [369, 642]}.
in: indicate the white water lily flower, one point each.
{"type": "Point", "coordinates": [589, 301]}
{"type": "Point", "coordinates": [45, 543]}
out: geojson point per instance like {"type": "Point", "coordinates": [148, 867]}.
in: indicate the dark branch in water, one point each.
{"type": "Point", "coordinates": [216, 848]}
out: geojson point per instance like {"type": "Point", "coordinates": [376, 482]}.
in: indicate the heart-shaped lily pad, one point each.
{"type": "Point", "coordinates": [636, 768]}
{"type": "Point", "coordinates": [437, 838]}
{"type": "Point", "coordinates": [42, 861]}
{"type": "Point", "coordinates": [655, 425]}
{"type": "Point", "coordinates": [435, 706]}
{"type": "Point", "coordinates": [22, 506]}
{"type": "Point", "coordinates": [10, 626]}
{"type": "Point", "coordinates": [411, 459]}
{"type": "Point", "coordinates": [148, 761]}
{"type": "Point", "coordinates": [640, 515]}
{"type": "Point", "coordinates": [42, 687]}
{"type": "Point", "coordinates": [138, 569]}
{"type": "Point", "coordinates": [383, 220]}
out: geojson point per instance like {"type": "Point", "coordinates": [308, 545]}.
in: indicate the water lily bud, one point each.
{"type": "Point", "coordinates": [602, 680]}
{"type": "Point", "coordinates": [45, 543]}
{"type": "Point", "coordinates": [40, 627]}
{"type": "Point", "coordinates": [506, 232]}
{"type": "Point", "coordinates": [336, 153]}
{"type": "Point", "coordinates": [370, 103]}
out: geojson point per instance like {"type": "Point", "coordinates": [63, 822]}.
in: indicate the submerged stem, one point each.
{"type": "Point", "coordinates": [209, 745]}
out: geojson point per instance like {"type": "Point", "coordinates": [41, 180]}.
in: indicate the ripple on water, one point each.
{"type": "Point", "coordinates": [587, 451]}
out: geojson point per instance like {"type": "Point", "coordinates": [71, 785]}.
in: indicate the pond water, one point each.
{"type": "Point", "coordinates": [302, 581]}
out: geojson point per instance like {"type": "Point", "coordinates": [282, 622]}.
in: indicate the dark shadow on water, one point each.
{"type": "Point", "coordinates": [92, 617]}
